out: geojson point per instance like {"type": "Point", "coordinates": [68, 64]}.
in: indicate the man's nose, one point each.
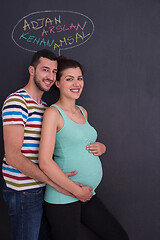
{"type": "Point", "coordinates": [51, 76]}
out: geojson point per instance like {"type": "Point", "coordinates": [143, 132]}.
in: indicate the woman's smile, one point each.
{"type": "Point", "coordinates": [75, 90]}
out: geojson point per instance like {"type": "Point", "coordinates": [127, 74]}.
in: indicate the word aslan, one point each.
{"type": "Point", "coordinates": [41, 23]}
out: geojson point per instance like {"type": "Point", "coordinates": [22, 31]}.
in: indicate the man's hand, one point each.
{"type": "Point", "coordinates": [70, 174]}
{"type": "Point", "coordinates": [96, 148]}
{"type": "Point", "coordinates": [63, 191]}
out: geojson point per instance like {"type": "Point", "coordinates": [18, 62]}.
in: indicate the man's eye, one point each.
{"type": "Point", "coordinates": [69, 79]}
{"type": "Point", "coordinates": [45, 69]}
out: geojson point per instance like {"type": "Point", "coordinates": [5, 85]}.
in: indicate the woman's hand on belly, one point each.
{"type": "Point", "coordinates": [84, 193]}
{"type": "Point", "coordinates": [96, 148]}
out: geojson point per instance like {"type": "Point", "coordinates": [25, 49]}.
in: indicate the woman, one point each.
{"type": "Point", "coordinates": [66, 133]}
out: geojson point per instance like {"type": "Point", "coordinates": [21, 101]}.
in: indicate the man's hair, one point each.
{"type": "Point", "coordinates": [42, 53]}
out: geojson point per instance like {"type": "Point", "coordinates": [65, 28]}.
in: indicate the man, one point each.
{"type": "Point", "coordinates": [24, 182]}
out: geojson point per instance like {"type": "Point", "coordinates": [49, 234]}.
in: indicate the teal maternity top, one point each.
{"type": "Point", "coordinates": [70, 154]}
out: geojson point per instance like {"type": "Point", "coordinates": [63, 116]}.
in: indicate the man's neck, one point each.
{"type": "Point", "coordinates": [35, 93]}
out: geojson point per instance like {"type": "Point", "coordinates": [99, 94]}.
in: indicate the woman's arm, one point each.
{"type": "Point", "coordinates": [51, 122]}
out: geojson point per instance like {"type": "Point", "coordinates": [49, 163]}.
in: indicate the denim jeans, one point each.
{"type": "Point", "coordinates": [25, 209]}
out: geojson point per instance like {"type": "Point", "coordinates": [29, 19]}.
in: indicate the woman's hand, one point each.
{"type": "Point", "coordinates": [96, 148]}
{"type": "Point", "coordinates": [84, 194]}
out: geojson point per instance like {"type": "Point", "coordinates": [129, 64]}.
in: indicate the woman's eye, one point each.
{"type": "Point", "coordinates": [80, 79]}
{"type": "Point", "coordinates": [69, 79]}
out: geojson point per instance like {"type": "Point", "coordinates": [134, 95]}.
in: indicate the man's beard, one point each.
{"type": "Point", "coordinates": [39, 86]}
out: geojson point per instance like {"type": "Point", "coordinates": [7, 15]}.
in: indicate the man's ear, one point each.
{"type": "Point", "coordinates": [31, 70]}
{"type": "Point", "coordinates": [57, 83]}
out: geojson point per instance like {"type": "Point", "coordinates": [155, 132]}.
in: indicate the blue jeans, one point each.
{"type": "Point", "coordinates": [25, 209]}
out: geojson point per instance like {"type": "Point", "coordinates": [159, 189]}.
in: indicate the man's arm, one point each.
{"type": "Point", "coordinates": [13, 141]}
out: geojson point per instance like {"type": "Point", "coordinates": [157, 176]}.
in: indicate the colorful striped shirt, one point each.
{"type": "Point", "coordinates": [20, 108]}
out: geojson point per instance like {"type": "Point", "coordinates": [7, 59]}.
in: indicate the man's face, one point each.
{"type": "Point", "coordinates": [45, 74]}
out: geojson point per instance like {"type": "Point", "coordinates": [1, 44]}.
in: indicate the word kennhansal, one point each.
{"type": "Point", "coordinates": [58, 44]}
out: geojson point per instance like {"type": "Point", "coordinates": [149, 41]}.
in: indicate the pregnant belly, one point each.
{"type": "Point", "coordinates": [88, 167]}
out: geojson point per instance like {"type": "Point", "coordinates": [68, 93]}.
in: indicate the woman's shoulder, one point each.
{"type": "Point", "coordinates": [84, 111]}
{"type": "Point", "coordinates": [51, 111]}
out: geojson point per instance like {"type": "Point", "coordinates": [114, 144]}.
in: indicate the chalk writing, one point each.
{"type": "Point", "coordinates": [60, 28]}
{"type": "Point", "coordinates": [44, 42]}
{"type": "Point", "coordinates": [40, 23]}
{"type": "Point", "coordinates": [55, 30]}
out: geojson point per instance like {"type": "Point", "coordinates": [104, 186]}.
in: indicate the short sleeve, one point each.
{"type": "Point", "coordinates": [14, 110]}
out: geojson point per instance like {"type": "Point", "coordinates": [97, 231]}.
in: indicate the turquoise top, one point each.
{"type": "Point", "coordinates": [70, 154]}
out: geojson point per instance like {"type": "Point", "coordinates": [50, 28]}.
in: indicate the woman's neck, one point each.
{"type": "Point", "coordinates": [67, 105]}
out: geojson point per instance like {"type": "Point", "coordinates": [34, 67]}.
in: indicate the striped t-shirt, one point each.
{"type": "Point", "coordinates": [20, 108]}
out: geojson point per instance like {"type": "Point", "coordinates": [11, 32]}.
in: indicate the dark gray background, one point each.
{"type": "Point", "coordinates": [122, 96]}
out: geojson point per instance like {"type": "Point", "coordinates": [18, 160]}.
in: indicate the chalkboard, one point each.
{"type": "Point", "coordinates": [118, 43]}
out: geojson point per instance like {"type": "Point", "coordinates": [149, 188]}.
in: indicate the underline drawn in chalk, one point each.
{"type": "Point", "coordinates": [56, 30]}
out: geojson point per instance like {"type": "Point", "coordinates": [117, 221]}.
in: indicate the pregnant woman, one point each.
{"type": "Point", "coordinates": [66, 133]}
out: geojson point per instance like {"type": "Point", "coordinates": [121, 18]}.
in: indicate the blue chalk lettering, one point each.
{"type": "Point", "coordinates": [23, 35]}
{"type": "Point", "coordinates": [36, 40]}
{"type": "Point", "coordinates": [30, 38]}
{"type": "Point", "coordinates": [43, 41]}
{"type": "Point", "coordinates": [50, 44]}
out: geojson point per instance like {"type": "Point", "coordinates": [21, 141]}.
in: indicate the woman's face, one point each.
{"type": "Point", "coordinates": [71, 83]}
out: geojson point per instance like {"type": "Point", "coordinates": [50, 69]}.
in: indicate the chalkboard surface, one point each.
{"type": "Point", "coordinates": [118, 42]}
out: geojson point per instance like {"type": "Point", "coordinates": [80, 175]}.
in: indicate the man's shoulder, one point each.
{"type": "Point", "coordinates": [19, 93]}
{"type": "Point", "coordinates": [15, 110]}
{"type": "Point", "coordinates": [18, 97]}
{"type": "Point", "coordinates": [23, 99]}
